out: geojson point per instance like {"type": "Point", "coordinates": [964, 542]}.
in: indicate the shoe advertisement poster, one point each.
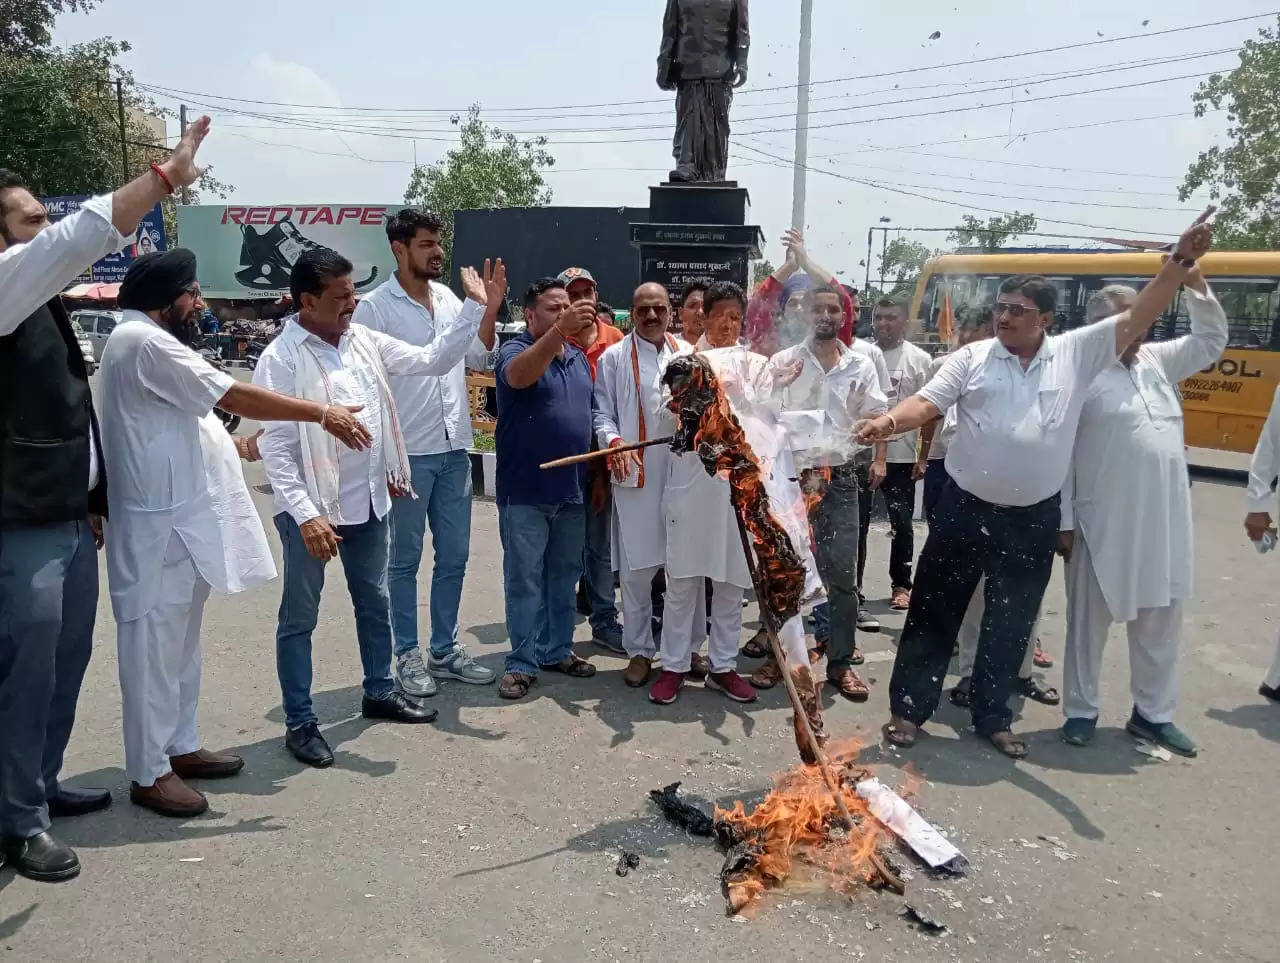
{"type": "Point", "coordinates": [112, 268]}
{"type": "Point", "coordinates": [248, 251]}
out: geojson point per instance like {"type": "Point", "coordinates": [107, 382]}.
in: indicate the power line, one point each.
{"type": "Point", "coordinates": [419, 134]}
{"type": "Point", "coordinates": [758, 90]}
{"type": "Point", "coordinates": [355, 115]}
{"type": "Point", "coordinates": [787, 164]}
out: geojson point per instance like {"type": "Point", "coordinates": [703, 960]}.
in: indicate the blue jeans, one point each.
{"type": "Point", "coordinates": [541, 563]}
{"type": "Point", "coordinates": [443, 485]}
{"type": "Point", "coordinates": [363, 552]}
{"type": "Point", "coordinates": [597, 566]}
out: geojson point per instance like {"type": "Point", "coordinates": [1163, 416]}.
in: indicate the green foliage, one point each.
{"type": "Point", "coordinates": [25, 24]}
{"type": "Point", "coordinates": [995, 233]}
{"type": "Point", "coordinates": [60, 122]}
{"type": "Point", "coordinates": [759, 271]}
{"type": "Point", "coordinates": [1244, 176]}
{"type": "Point", "coordinates": [490, 169]}
{"type": "Point", "coordinates": [900, 266]}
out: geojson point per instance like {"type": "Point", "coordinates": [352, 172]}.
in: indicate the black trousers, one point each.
{"type": "Point", "coordinates": [1013, 547]}
{"type": "Point", "coordinates": [899, 490]}
{"type": "Point", "coordinates": [935, 482]}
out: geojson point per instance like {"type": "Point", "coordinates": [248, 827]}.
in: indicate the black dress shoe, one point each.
{"type": "Point", "coordinates": [77, 802]}
{"type": "Point", "coordinates": [41, 857]}
{"type": "Point", "coordinates": [308, 746]}
{"type": "Point", "coordinates": [396, 708]}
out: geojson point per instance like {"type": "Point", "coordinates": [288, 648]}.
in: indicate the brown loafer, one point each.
{"type": "Point", "coordinates": [170, 796]}
{"type": "Point", "coordinates": [699, 666]}
{"type": "Point", "coordinates": [850, 685]}
{"type": "Point", "coordinates": [637, 673]}
{"type": "Point", "coordinates": [206, 764]}
{"type": "Point", "coordinates": [768, 675]}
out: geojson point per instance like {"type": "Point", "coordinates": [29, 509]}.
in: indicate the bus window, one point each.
{"type": "Point", "coordinates": [1251, 306]}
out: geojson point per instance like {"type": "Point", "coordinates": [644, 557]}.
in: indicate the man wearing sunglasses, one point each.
{"type": "Point", "coordinates": [1017, 401]}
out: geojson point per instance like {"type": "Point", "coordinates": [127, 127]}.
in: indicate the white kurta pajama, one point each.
{"type": "Point", "coordinates": [702, 528]}
{"type": "Point", "coordinates": [1263, 470]}
{"type": "Point", "coordinates": [638, 541]}
{"type": "Point", "coordinates": [1128, 501]}
{"type": "Point", "coordinates": [181, 523]}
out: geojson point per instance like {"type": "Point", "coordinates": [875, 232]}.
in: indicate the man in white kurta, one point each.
{"type": "Point", "coordinates": [1263, 470]}
{"type": "Point", "coordinates": [181, 523]}
{"type": "Point", "coordinates": [629, 408]}
{"type": "Point", "coordinates": [1126, 520]}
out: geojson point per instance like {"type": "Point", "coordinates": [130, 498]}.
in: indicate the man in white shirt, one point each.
{"type": "Point", "coordinates": [1018, 399]}
{"type": "Point", "coordinates": [180, 522]}
{"type": "Point", "coordinates": [52, 498]}
{"type": "Point", "coordinates": [1263, 470]}
{"type": "Point", "coordinates": [1126, 520]}
{"type": "Point", "coordinates": [331, 503]}
{"type": "Point", "coordinates": [628, 407]}
{"type": "Point", "coordinates": [908, 368]}
{"type": "Point", "coordinates": [824, 388]}
{"type": "Point", "coordinates": [435, 417]}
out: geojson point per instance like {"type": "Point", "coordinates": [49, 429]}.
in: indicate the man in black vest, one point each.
{"type": "Point", "coordinates": [52, 497]}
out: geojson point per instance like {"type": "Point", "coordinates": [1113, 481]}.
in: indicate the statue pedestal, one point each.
{"type": "Point", "coordinates": [696, 232]}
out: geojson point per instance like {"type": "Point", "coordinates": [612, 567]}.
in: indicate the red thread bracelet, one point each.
{"type": "Point", "coordinates": [163, 177]}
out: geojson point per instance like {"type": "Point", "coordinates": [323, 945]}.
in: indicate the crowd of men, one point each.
{"type": "Point", "coordinates": [367, 428]}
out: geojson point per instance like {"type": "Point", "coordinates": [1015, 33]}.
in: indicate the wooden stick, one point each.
{"type": "Point", "coordinates": [605, 453]}
{"type": "Point", "coordinates": [890, 879]}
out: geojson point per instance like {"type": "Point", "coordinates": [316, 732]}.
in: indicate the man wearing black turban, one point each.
{"type": "Point", "coordinates": [182, 522]}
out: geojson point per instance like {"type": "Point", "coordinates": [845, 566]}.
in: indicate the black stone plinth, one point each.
{"type": "Point", "coordinates": [718, 202]}
{"type": "Point", "coordinates": [696, 232]}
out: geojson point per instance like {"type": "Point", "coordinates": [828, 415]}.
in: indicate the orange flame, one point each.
{"type": "Point", "coordinates": [799, 821]}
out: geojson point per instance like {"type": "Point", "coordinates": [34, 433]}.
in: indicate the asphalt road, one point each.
{"type": "Point", "coordinates": [493, 834]}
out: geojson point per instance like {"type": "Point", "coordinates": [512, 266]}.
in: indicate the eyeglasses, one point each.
{"type": "Point", "coordinates": [1014, 311]}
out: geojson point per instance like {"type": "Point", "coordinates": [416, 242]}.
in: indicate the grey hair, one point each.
{"type": "Point", "coordinates": [1102, 303]}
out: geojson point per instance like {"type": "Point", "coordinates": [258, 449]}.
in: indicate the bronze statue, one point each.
{"type": "Point", "coordinates": [703, 58]}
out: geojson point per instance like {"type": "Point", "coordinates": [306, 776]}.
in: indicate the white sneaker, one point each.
{"type": "Point", "coordinates": [414, 678]}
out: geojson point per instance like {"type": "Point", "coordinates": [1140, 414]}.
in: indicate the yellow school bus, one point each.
{"type": "Point", "coordinates": [1224, 405]}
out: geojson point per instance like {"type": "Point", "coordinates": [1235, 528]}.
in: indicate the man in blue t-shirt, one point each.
{"type": "Point", "coordinates": [544, 413]}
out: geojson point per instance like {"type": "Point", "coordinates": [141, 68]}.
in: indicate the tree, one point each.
{"type": "Point", "coordinates": [25, 25]}
{"type": "Point", "coordinates": [491, 169]}
{"type": "Point", "coordinates": [60, 122]}
{"type": "Point", "coordinates": [900, 265]}
{"type": "Point", "coordinates": [995, 233]}
{"type": "Point", "coordinates": [759, 271]}
{"type": "Point", "coordinates": [1244, 177]}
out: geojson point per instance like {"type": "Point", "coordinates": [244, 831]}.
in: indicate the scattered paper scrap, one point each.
{"type": "Point", "coordinates": [924, 923]}
{"type": "Point", "coordinates": [896, 813]}
{"type": "Point", "coordinates": [1154, 751]}
{"type": "Point", "coordinates": [191, 859]}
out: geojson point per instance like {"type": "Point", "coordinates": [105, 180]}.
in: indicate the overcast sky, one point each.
{"type": "Point", "coordinates": [414, 63]}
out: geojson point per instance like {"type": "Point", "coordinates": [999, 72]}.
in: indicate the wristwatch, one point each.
{"type": "Point", "coordinates": [1183, 262]}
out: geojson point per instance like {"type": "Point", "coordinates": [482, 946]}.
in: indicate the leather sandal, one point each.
{"type": "Point", "coordinates": [1045, 695]}
{"type": "Point", "coordinates": [757, 647]}
{"type": "Point", "coordinates": [572, 666]}
{"type": "Point", "coordinates": [850, 685]}
{"type": "Point", "coordinates": [515, 685]}
{"type": "Point", "coordinates": [1009, 744]}
{"type": "Point", "coordinates": [900, 732]}
{"type": "Point", "coordinates": [768, 675]}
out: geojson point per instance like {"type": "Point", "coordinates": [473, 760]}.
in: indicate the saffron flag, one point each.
{"type": "Point", "coordinates": [946, 320]}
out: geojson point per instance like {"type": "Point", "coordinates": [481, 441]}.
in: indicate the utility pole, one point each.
{"type": "Point", "coordinates": [124, 133]}
{"type": "Point", "coordinates": [185, 196]}
{"type": "Point", "coordinates": [802, 116]}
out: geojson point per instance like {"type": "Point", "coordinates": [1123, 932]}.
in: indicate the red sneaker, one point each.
{"type": "Point", "coordinates": [732, 685]}
{"type": "Point", "coordinates": [665, 690]}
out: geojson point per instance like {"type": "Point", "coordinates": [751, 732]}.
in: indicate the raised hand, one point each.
{"type": "Point", "coordinates": [1196, 240]}
{"type": "Point", "coordinates": [341, 422]}
{"type": "Point", "coordinates": [576, 317]}
{"type": "Point", "coordinates": [784, 376]}
{"type": "Point", "coordinates": [473, 286]}
{"type": "Point", "coordinates": [870, 430]}
{"type": "Point", "coordinates": [180, 166]}
{"type": "Point", "coordinates": [495, 281]}
{"type": "Point", "coordinates": [793, 239]}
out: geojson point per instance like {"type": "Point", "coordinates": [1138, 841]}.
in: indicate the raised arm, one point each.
{"type": "Point", "coordinates": [1184, 356]}
{"type": "Point", "coordinates": [1159, 292]}
{"type": "Point", "coordinates": [448, 348]}
{"type": "Point", "coordinates": [530, 364]}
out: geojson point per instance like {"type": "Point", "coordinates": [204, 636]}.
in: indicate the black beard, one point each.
{"type": "Point", "coordinates": [186, 330]}
{"type": "Point", "coordinates": [824, 334]}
